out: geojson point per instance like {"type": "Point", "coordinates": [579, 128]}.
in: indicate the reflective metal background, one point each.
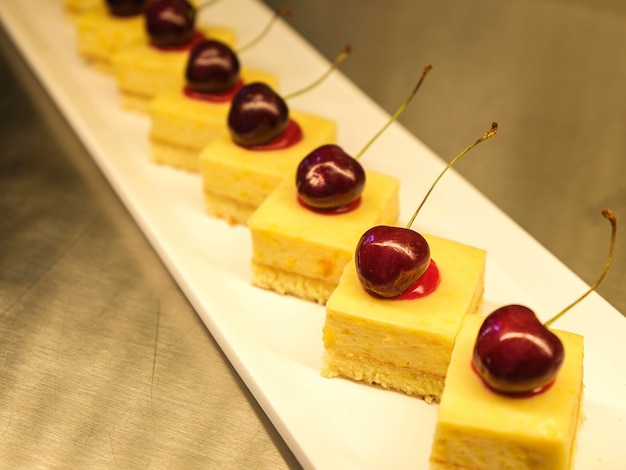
{"type": "Point", "coordinates": [103, 364]}
{"type": "Point", "coordinates": [552, 73]}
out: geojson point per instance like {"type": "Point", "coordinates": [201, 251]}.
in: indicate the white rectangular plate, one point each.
{"type": "Point", "coordinates": [274, 342]}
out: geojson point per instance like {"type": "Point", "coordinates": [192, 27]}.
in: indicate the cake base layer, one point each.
{"type": "Point", "coordinates": [231, 210]}
{"type": "Point", "coordinates": [307, 251]}
{"type": "Point", "coordinates": [136, 102]}
{"type": "Point", "coordinates": [479, 429]}
{"type": "Point", "coordinates": [162, 153]}
{"type": "Point", "coordinates": [406, 380]}
{"type": "Point", "coordinates": [403, 345]}
{"type": "Point", "coordinates": [244, 177]}
{"type": "Point", "coordinates": [286, 283]}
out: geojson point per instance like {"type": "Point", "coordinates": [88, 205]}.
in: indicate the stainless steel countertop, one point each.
{"type": "Point", "coordinates": [103, 363]}
{"type": "Point", "coordinates": [106, 365]}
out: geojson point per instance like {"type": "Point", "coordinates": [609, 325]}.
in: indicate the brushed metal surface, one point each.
{"type": "Point", "coordinates": [103, 363]}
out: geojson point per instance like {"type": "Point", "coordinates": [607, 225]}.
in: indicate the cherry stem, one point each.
{"type": "Point", "coordinates": [608, 214]}
{"type": "Point", "coordinates": [397, 113]}
{"type": "Point", "coordinates": [284, 11]}
{"type": "Point", "coordinates": [347, 50]}
{"type": "Point", "coordinates": [490, 133]}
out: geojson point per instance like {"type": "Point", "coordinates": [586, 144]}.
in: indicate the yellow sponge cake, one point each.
{"type": "Point", "coordinates": [301, 252]}
{"type": "Point", "coordinates": [100, 35]}
{"type": "Point", "coordinates": [480, 429]}
{"type": "Point", "coordinates": [404, 345]}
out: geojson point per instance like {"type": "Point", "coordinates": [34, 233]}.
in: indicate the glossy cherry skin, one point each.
{"type": "Point", "coordinates": [124, 8]}
{"type": "Point", "coordinates": [212, 67]}
{"type": "Point", "coordinates": [515, 353]}
{"type": "Point", "coordinates": [170, 23]}
{"type": "Point", "coordinates": [257, 115]}
{"type": "Point", "coordinates": [329, 178]}
{"type": "Point", "coordinates": [390, 259]}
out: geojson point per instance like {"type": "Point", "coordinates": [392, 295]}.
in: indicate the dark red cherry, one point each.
{"type": "Point", "coordinates": [329, 178]}
{"type": "Point", "coordinates": [212, 67]}
{"type": "Point", "coordinates": [390, 259]}
{"type": "Point", "coordinates": [170, 23]}
{"type": "Point", "coordinates": [515, 353]}
{"type": "Point", "coordinates": [124, 8]}
{"type": "Point", "coordinates": [257, 115]}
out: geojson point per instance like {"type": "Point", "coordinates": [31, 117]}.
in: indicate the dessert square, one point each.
{"type": "Point", "coordinates": [479, 429]}
{"type": "Point", "coordinates": [404, 345]}
{"type": "Point", "coordinates": [143, 71]}
{"type": "Point", "coordinates": [236, 179]}
{"type": "Point", "coordinates": [300, 252]}
{"type": "Point", "coordinates": [100, 35]}
{"type": "Point", "coordinates": [182, 126]}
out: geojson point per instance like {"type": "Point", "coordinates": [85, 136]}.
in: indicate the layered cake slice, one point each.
{"type": "Point", "coordinates": [403, 344]}
{"type": "Point", "coordinates": [101, 33]}
{"type": "Point", "coordinates": [480, 429]}
{"type": "Point", "coordinates": [514, 391]}
{"type": "Point", "coordinates": [182, 126]}
{"type": "Point", "coordinates": [236, 179]}
{"type": "Point", "coordinates": [302, 252]}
